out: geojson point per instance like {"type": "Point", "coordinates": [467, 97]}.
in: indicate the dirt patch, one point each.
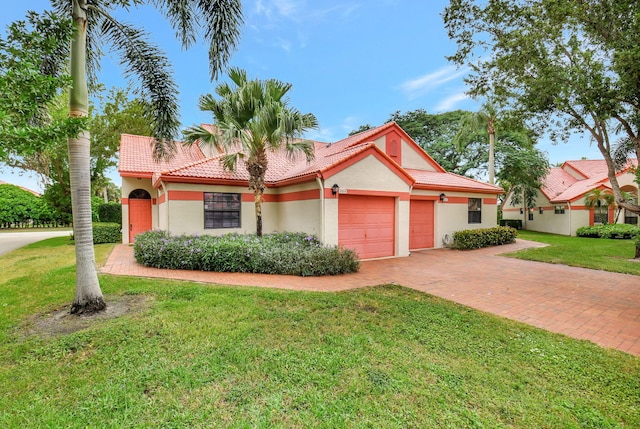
{"type": "Point", "coordinates": [61, 322]}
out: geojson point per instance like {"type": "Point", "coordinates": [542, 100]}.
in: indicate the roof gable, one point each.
{"type": "Point", "coordinates": [575, 178]}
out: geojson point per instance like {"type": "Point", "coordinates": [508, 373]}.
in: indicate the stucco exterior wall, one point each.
{"type": "Point", "coordinates": [453, 215]}
{"type": "Point", "coordinates": [130, 184]}
{"type": "Point", "coordinates": [368, 174]}
{"type": "Point", "coordinates": [412, 159]}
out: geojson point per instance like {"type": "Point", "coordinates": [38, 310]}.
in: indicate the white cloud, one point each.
{"type": "Point", "coordinates": [424, 84]}
{"type": "Point", "coordinates": [448, 103]}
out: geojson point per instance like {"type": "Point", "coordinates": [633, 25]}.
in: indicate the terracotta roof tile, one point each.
{"type": "Point", "coordinates": [191, 163]}
{"type": "Point", "coordinates": [437, 179]}
{"type": "Point", "coordinates": [136, 155]}
{"type": "Point", "coordinates": [560, 186]}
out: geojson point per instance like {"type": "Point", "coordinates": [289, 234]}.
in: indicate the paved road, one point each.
{"type": "Point", "coordinates": [14, 240]}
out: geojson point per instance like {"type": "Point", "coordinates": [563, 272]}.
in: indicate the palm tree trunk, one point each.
{"type": "Point", "coordinates": [492, 143]}
{"type": "Point", "coordinates": [88, 297]}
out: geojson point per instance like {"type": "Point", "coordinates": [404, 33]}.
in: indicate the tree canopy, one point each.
{"type": "Point", "coordinates": [563, 66]}
{"type": "Point", "coordinates": [30, 84]}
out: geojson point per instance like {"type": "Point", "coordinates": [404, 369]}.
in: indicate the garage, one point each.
{"type": "Point", "coordinates": [421, 224]}
{"type": "Point", "coordinates": [366, 224]}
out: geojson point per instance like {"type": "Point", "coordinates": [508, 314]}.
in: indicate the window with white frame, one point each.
{"type": "Point", "coordinates": [558, 209]}
{"type": "Point", "coordinates": [221, 210]}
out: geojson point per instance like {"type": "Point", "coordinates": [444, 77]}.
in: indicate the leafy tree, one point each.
{"type": "Point", "coordinates": [146, 65]}
{"type": "Point", "coordinates": [563, 65]}
{"type": "Point", "coordinates": [30, 83]}
{"type": "Point", "coordinates": [360, 129]}
{"type": "Point", "coordinates": [253, 116]}
{"type": "Point", "coordinates": [435, 133]}
{"type": "Point", "coordinates": [521, 170]}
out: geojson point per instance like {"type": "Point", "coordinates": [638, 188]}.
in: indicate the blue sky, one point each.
{"type": "Point", "coordinates": [351, 62]}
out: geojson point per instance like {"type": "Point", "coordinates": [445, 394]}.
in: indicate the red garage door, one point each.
{"type": "Point", "coordinates": [366, 224]}
{"type": "Point", "coordinates": [420, 224]}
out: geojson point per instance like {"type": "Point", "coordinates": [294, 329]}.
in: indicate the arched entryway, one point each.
{"type": "Point", "coordinates": [139, 213]}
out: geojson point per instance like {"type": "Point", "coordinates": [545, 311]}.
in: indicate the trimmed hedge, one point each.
{"type": "Point", "coordinates": [110, 212]}
{"type": "Point", "coordinates": [282, 253]}
{"type": "Point", "coordinates": [485, 237]}
{"type": "Point", "coordinates": [613, 230]}
{"type": "Point", "coordinates": [105, 233]}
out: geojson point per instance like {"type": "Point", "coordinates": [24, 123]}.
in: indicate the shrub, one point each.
{"type": "Point", "coordinates": [106, 233]}
{"type": "Point", "coordinates": [477, 238]}
{"type": "Point", "coordinates": [615, 230]}
{"type": "Point", "coordinates": [513, 223]}
{"type": "Point", "coordinates": [110, 212]}
{"type": "Point", "coordinates": [282, 253]}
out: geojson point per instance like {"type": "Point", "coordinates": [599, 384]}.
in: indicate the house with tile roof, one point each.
{"type": "Point", "coordinates": [560, 202]}
{"type": "Point", "coordinates": [376, 192]}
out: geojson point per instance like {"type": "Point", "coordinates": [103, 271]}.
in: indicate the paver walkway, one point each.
{"type": "Point", "coordinates": [599, 306]}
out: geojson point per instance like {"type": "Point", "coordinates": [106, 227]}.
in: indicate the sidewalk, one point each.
{"type": "Point", "coordinates": [599, 306]}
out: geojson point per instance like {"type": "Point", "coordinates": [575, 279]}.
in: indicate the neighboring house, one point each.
{"type": "Point", "coordinates": [376, 192]}
{"type": "Point", "coordinates": [560, 203]}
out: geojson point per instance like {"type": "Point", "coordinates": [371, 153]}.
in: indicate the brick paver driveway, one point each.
{"type": "Point", "coordinates": [595, 305]}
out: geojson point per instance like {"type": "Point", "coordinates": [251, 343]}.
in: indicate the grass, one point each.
{"type": "Point", "coordinates": [238, 357]}
{"type": "Point", "coordinates": [596, 253]}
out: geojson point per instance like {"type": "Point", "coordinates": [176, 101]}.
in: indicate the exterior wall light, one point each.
{"type": "Point", "coordinates": [334, 189]}
{"type": "Point", "coordinates": [443, 197]}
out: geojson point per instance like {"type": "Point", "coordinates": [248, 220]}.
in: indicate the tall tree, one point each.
{"type": "Point", "coordinates": [149, 69]}
{"type": "Point", "coordinates": [483, 121]}
{"type": "Point", "coordinates": [563, 65]}
{"type": "Point", "coordinates": [252, 117]}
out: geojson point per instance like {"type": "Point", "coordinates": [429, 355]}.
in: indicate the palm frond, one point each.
{"type": "Point", "coordinates": [230, 160]}
{"type": "Point", "coordinates": [180, 14]}
{"type": "Point", "coordinates": [151, 69]}
{"type": "Point", "coordinates": [223, 19]}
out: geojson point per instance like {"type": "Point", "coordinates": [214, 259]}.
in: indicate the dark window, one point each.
{"type": "Point", "coordinates": [541, 210]}
{"type": "Point", "coordinates": [530, 214]}
{"type": "Point", "coordinates": [221, 210]}
{"type": "Point", "coordinates": [630, 217]}
{"type": "Point", "coordinates": [475, 210]}
{"type": "Point", "coordinates": [558, 209]}
{"type": "Point", "coordinates": [601, 214]}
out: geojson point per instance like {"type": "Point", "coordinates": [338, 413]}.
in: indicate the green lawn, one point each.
{"type": "Point", "coordinates": [239, 357]}
{"type": "Point", "coordinates": [597, 253]}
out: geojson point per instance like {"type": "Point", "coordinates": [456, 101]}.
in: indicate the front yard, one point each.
{"type": "Point", "coordinates": [597, 253]}
{"type": "Point", "coordinates": [217, 356]}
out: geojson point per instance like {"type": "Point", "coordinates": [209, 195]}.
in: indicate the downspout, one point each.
{"type": "Point", "coordinates": [166, 199]}
{"type": "Point", "coordinates": [321, 186]}
{"type": "Point", "coordinates": [570, 216]}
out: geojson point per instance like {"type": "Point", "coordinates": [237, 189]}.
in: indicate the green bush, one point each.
{"type": "Point", "coordinates": [110, 212]}
{"type": "Point", "coordinates": [282, 253]}
{"type": "Point", "coordinates": [106, 233]}
{"type": "Point", "coordinates": [513, 223]}
{"type": "Point", "coordinates": [615, 230]}
{"type": "Point", "coordinates": [477, 238]}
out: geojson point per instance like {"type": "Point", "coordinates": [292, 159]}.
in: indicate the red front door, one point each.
{"type": "Point", "coordinates": [420, 224]}
{"type": "Point", "coordinates": [139, 217]}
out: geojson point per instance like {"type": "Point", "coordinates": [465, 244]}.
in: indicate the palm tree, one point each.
{"type": "Point", "coordinates": [600, 199]}
{"type": "Point", "coordinates": [146, 65]}
{"type": "Point", "coordinates": [473, 123]}
{"type": "Point", "coordinates": [250, 118]}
